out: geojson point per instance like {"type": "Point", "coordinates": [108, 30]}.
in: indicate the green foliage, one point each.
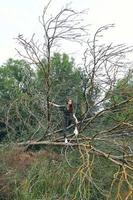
{"type": "Point", "coordinates": [13, 75]}
{"type": "Point", "coordinates": [122, 92]}
{"type": "Point", "coordinates": [64, 77]}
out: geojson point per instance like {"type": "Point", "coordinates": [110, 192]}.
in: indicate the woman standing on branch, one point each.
{"type": "Point", "coordinates": [68, 116]}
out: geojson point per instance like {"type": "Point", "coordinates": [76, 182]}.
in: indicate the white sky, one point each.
{"type": "Point", "coordinates": [18, 16]}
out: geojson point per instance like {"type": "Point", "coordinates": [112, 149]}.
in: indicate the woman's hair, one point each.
{"type": "Point", "coordinates": [69, 106]}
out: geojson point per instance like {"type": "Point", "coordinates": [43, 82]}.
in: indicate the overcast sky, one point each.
{"type": "Point", "coordinates": [18, 16]}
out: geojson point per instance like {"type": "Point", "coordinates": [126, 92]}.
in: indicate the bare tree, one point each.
{"type": "Point", "coordinates": [103, 66]}
{"type": "Point", "coordinates": [65, 25]}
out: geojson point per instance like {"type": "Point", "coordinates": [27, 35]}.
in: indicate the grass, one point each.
{"type": "Point", "coordinates": [50, 175]}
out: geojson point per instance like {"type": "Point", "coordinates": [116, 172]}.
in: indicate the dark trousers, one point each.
{"type": "Point", "coordinates": [67, 122]}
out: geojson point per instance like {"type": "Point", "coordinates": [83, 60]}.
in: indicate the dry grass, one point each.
{"type": "Point", "coordinates": [15, 164]}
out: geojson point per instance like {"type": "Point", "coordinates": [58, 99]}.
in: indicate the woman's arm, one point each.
{"type": "Point", "coordinates": [76, 120]}
{"type": "Point", "coordinates": [54, 104]}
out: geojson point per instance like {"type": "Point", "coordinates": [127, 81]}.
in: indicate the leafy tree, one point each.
{"type": "Point", "coordinates": [122, 92]}
{"type": "Point", "coordinates": [14, 76]}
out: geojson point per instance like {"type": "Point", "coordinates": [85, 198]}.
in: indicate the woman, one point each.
{"type": "Point", "coordinates": [68, 116]}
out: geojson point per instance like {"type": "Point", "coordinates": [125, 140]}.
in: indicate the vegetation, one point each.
{"type": "Point", "coordinates": [35, 163]}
